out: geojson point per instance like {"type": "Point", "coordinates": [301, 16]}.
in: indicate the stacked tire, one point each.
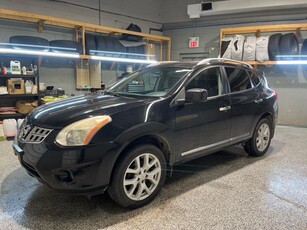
{"type": "Point", "coordinates": [304, 57]}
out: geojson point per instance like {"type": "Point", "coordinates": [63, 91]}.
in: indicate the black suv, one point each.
{"type": "Point", "coordinates": [125, 139]}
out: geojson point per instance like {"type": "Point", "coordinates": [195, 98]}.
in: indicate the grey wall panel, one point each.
{"type": "Point", "coordinates": [143, 12]}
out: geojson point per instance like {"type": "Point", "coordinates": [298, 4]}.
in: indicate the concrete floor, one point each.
{"type": "Point", "coordinates": [226, 190]}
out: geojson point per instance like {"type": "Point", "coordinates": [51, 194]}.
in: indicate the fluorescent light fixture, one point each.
{"type": "Point", "coordinates": [292, 62]}
{"type": "Point", "coordinates": [37, 46]}
{"type": "Point", "coordinates": [40, 53]}
{"type": "Point", "coordinates": [123, 60]}
{"type": "Point", "coordinates": [121, 53]}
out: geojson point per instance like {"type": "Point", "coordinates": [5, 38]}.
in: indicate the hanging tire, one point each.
{"type": "Point", "coordinates": [274, 46]}
{"type": "Point", "coordinates": [304, 52]}
{"type": "Point", "coordinates": [138, 176]}
{"type": "Point", "coordinates": [75, 46]}
{"type": "Point", "coordinates": [118, 47]}
{"type": "Point", "coordinates": [29, 40]}
{"type": "Point", "coordinates": [260, 142]}
{"type": "Point", "coordinates": [289, 45]}
{"type": "Point", "coordinates": [90, 44]}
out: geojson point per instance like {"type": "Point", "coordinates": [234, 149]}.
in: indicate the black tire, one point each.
{"type": "Point", "coordinates": [65, 44]}
{"type": "Point", "coordinates": [289, 45]}
{"type": "Point", "coordinates": [110, 44]}
{"type": "Point", "coordinates": [251, 145]}
{"type": "Point", "coordinates": [118, 47]}
{"type": "Point", "coordinates": [117, 190]}
{"type": "Point", "coordinates": [304, 52]}
{"type": "Point", "coordinates": [274, 46]}
{"type": "Point", "coordinates": [104, 43]}
{"type": "Point", "coordinates": [90, 44]}
{"type": "Point", "coordinates": [29, 40]}
{"type": "Point", "coordinates": [136, 50]}
{"type": "Point", "coordinates": [100, 43]}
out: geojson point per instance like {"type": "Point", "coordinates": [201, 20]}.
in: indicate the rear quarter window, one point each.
{"type": "Point", "coordinates": [255, 79]}
{"type": "Point", "coordinates": [239, 79]}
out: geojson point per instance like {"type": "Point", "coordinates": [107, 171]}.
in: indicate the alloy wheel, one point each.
{"type": "Point", "coordinates": [263, 137]}
{"type": "Point", "coordinates": [142, 176]}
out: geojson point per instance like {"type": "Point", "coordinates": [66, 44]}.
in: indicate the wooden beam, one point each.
{"type": "Point", "coordinates": [77, 30]}
{"type": "Point", "coordinates": [264, 28]}
{"type": "Point", "coordinates": [298, 32]}
{"type": "Point", "coordinates": [83, 40]}
{"type": "Point", "coordinates": [161, 51]}
{"type": "Point", "coordinates": [169, 47]}
{"type": "Point", "coordinates": [40, 26]}
{"type": "Point", "coordinates": [258, 33]}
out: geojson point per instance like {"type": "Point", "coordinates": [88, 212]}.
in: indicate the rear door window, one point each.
{"type": "Point", "coordinates": [238, 79]}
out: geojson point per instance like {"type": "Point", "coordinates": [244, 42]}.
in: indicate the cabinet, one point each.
{"type": "Point", "coordinates": [9, 100]}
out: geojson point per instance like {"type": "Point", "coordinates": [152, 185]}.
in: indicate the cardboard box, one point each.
{"type": "Point", "coordinates": [16, 86]}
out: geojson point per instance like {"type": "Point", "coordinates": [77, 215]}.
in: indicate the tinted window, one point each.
{"type": "Point", "coordinates": [151, 81]}
{"type": "Point", "coordinates": [238, 79]}
{"type": "Point", "coordinates": [255, 79]}
{"type": "Point", "coordinates": [209, 79]}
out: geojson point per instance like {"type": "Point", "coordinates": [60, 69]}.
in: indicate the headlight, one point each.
{"type": "Point", "coordinates": [81, 132]}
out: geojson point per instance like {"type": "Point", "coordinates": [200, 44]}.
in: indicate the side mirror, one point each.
{"type": "Point", "coordinates": [196, 95]}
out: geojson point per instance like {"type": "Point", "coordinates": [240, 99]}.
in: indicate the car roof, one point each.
{"type": "Point", "coordinates": [205, 62]}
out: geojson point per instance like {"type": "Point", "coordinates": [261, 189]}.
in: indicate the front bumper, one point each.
{"type": "Point", "coordinates": [84, 171]}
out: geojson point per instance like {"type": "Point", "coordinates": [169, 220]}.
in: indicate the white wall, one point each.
{"type": "Point", "coordinates": [145, 13]}
{"type": "Point", "coordinates": [175, 10]}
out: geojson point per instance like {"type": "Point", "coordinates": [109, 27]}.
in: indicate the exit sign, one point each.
{"type": "Point", "coordinates": [193, 42]}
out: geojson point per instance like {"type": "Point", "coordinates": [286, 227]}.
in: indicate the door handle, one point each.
{"type": "Point", "coordinates": [224, 109]}
{"type": "Point", "coordinates": [258, 101]}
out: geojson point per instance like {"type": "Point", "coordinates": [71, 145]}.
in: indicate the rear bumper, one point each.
{"type": "Point", "coordinates": [84, 171]}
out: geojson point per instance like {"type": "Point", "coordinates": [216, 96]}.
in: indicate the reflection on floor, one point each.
{"type": "Point", "coordinates": [226, 190]}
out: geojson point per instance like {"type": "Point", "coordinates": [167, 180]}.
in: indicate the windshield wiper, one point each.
{"type": "Point", "coordinates": [115, 94]}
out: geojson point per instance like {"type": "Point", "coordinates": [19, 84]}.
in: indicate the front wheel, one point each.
{"type": "Point", "coordinates": [260, 142]}
{"type": "Point", "coordinates": [138, 176]}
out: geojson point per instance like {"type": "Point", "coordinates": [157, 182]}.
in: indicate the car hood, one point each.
{"type": "Point", "coordinates": [59, 114]}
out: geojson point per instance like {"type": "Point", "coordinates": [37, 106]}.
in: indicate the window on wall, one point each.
{"type": "Point", "coordinates": [209, 79]}
{"type": "Point", "coordinates": [238, 79]}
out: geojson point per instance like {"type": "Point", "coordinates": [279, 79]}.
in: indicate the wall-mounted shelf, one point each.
{"type": "Point", "coordinates": [80, 27]}
{"type": "Point", "coordinates": [258, 30]}
{"type": "Point", "coordinates": [17, 76]}
{"type": "Point", "coordinates": [18, 95]}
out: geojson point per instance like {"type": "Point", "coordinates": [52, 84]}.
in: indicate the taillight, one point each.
{"type": "Point", "coordinates": [275, 94]}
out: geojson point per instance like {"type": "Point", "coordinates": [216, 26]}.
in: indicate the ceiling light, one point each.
{"type": "Point", "coordinates": [123, 60]}
{"type": "Point", "coordinates": [39, 53]}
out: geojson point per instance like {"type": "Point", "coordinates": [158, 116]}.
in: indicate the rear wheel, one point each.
{"type": "Point", "coordinates": [260, 142]}
{"type": "Point", "coordinates": [139, 177]}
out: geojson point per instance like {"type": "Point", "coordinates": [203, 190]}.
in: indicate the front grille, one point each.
{"type": "Point", "coordinates": [37, 135]}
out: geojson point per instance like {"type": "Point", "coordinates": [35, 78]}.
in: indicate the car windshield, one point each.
{"type": "Point", "coordinates": [152, 81]}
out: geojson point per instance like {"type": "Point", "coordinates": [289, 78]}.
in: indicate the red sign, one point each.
{"type": "Point", "coordinates": [193, 42]}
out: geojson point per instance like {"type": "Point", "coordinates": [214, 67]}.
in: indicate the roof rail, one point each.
{"type": "Point", "coordinates": [214, 60]}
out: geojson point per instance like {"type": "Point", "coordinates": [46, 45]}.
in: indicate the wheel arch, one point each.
{"type": "Point", "coordinates": [152, 133]}
{"type": "Point", "coordinates": [271, 117]}
{"type": "Point", "coordinates": [152, 139]}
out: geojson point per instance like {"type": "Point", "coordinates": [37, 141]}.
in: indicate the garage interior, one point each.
{"type": "Point", "coordinates": [224, 190]}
